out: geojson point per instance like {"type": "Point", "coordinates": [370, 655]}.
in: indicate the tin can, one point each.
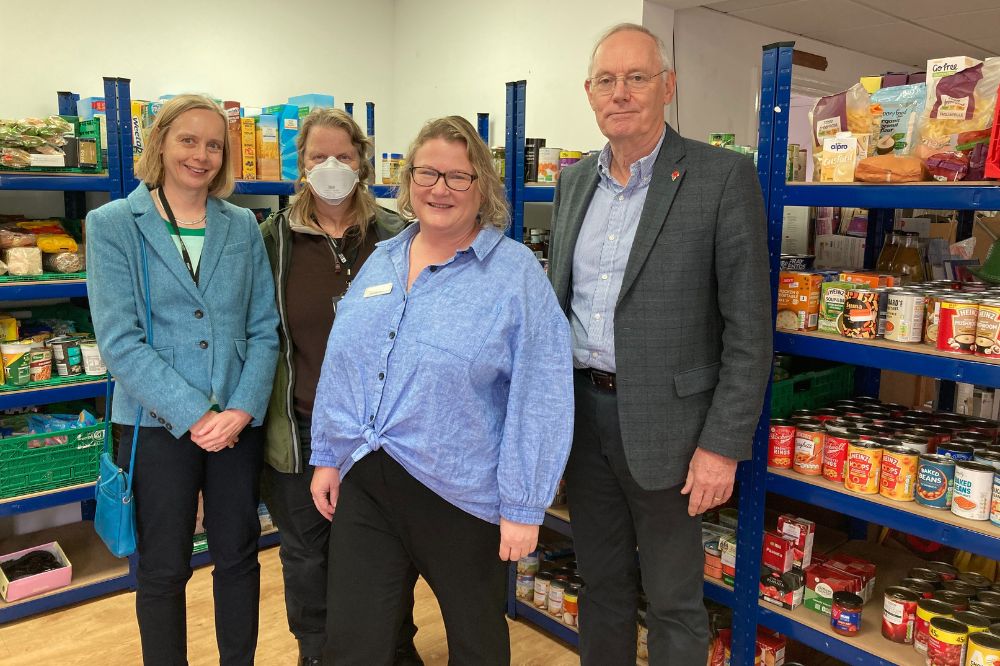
{"type": "Point", "coordinates": [947, 638]}
{"type": "Point", "coordinates": [864, 461]}
{"type": "Point", "coordinates": [904, 319]}
{"type": "Point", "coordinates": [525, 587]}
{"type": "Point", "coordinates": [959, 587]}
{"type": "Point", "coordinates": [935, 481]}
{"type": "Point", "coordinates": [958, 602]}
{"type": "Point", "coordinates": [66, 356]}
{"type": "Point", "coordinates": [781, 444]}
{"type": "Point", "coordinates": [988, 596]}
{"type": "Point", "coordinates": [943, 569]}
{"type": "Point", "coordinates": [835, 453]}
{"type": "Point", "coordinates": [957, 330]}
{"type": "Point", "coordinates": [932, 317]}
{"type": "Point", "coordinates": [557, 589]}
{"type": "Point", "coordinates": [927, 610]}
{"type": "Point", "coordinates": [899, 473]}
{"type": "Point", "coordinates": [921, 587]}
{"type": "Point", "coordinates": [990, 611]}
{"type": "Point", "coordinates": [571, 605]}
{"type": "Point", "coordinates": [883, 303]}
{"type": "Point", "coordinates": [939, 434]}
{"type": "Point", "coordinates": [976, 580]}
{"type": "Point", "coordinates": [569, 158]}
{"type": "Point", "coordinates": [985, 426]}
{"type": "Point", "coordinates": [40, 364]}
{"type": "Point", "coordinates": [995, 502]}
{"type": "Point", "coordinates": [974, 621]}
{"type": "Point", "coordinates": [925, 574]}
{"type": "Point", "coordinates": [808, 450]}
{"type": "Point", "coordinates": [899, 614]}
{"type": "Point", "coordinates": [972, 491]}
{"type": "Point", "coordinates": [548, 165]}
{"type": "Point", "coordinates": [988, 329]}
{"type": "Point", "coordinates": [542, 581]}
{"type": "Point", "coordinates": [90, 356]}
{"type": "Point", "coordinates": [861, 308]}
{"type": "Point", "coordinates": [956, 451]}
{"type": "Point", "coordinates": [826, 414]}
{"type": "Point", "coordinates": [528, 564]}
{"type": "Point", "coordinates": [977, 440]}
{"type": "Point", "coordinates": [982, 649]}
{"type": "Point", "coordinates": [916, 442]}
{"type": "Point", "coordinates": [845, 613]}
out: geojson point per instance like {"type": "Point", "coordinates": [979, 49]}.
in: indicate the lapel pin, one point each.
{"type": "Point", "coordinates": [675, 175]}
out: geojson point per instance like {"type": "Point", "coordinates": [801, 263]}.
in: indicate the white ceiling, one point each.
{"type": "Point", "coordinates": [905, 31]}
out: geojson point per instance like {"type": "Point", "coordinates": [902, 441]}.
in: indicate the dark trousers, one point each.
{"type": "Point", "coordinates": [305, 545]}
{"type": "Point", "coordinates": [168, 475]}
{"type": "Point", "coordinates": [612, 516]}
{"type": "Point", "coordinates": [388, 524]}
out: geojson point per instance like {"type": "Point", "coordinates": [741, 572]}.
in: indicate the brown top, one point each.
{"type": "Point", "coordinates": [313, 283]}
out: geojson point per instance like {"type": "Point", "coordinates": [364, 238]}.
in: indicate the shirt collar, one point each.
{"type": "Point", "coordinates": [487, 239]}
{"type": "Point", "coordinates": [640, 172]}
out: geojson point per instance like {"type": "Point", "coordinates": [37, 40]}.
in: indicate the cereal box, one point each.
{"type": "Point", "coordinates": [248, 141]}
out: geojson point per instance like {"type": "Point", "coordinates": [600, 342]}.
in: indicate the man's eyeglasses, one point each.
{"type": "Point", "coordinates": [605, 83]}
{"type": "Point", "coordinates": [455, 180]}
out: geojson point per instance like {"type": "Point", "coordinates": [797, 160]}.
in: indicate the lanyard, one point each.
{"type": "Point", "coordinates": [173, 223]}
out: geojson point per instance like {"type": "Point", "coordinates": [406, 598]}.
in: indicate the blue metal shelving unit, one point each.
{"type": "Point", "coordinates": [80, 391]}
{"type": "Point", "coordinates": [965, 196]}
{"type": "Point", "coordinates": [31, 291]}
{"type": "Point", "coordinates": [16, 505]}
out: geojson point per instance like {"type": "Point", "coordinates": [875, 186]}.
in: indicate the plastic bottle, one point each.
{"type": "Point", "coordinates": [386, 170]}
{"type": "Point", "coordinates": [885, 257]}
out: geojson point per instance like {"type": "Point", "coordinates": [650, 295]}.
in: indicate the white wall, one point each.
{"type": "Point", "coordinates": [718, 72]}
{"type": "Point", "coordinates": [659, 19]}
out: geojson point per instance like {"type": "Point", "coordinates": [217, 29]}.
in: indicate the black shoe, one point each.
{"type": "Point", "coordinates": [310, 661]}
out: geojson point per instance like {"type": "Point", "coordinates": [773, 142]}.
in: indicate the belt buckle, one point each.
{"type": "Point", "coordinates": [602, 379]}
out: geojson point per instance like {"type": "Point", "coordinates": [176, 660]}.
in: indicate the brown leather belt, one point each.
{"type": "Point", "coordinates": [605, 380]}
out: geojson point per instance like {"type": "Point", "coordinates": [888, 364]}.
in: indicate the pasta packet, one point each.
{"type": "Point", "coordinates": [848, 111]}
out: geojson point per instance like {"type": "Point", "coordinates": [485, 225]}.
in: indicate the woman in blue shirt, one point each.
{"type": "Point", "coordinates": [203, 388]}
{"type": "Point", "coordinates": [444, 411]}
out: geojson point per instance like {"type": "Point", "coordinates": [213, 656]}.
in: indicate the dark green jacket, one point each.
{"type": "Point", "coordinates": [283, 451]}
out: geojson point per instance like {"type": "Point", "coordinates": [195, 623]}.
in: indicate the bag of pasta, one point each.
{"type": "Point", "coordinates": [848, 111]}
{"type": "Point", "coordinates": [958, 114]}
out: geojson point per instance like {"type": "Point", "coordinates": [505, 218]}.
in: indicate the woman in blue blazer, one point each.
{"type": "Point", "coordinates": [202, 386]}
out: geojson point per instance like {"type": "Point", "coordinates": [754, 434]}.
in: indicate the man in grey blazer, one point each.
{"type": "Point", "coordinates": [659, 257]}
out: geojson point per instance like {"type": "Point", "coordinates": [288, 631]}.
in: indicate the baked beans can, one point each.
{"type": "Point", "coordinates": [982, 649]}
{"type": "Point", "coordinates": [985, 426]}
{"type": "Point", "coordinates": [956, 451]}
{"type": "Point", "coordinates": [864, 461]}
{"type": "Point", "coordinates": [917, 443]}
{"type": "Point", "coordinates": [947, 638]}
{"type": "Point", "coordinates": [781, 444]}
{"type": "Point", "coordinates": [957, 330]}
{"type": "Point", "coordinates": [899, 614]}
{"type": "Point", "coordinates": [995, 502]}
{"type": "Point", "coordinates": [935, 481]}
{"type": "Point", "coordinates": [988, 329]}
{"type": "Point", "coordinates": [808, 450]}
{"type": "Point", "coordinates": [835, 454]}
{"type": "Point", "coordinates": [927, 610]}
{"type": "Point", "coordinates": [921, 587]}
{"type": "Point", "coordinates": [861, 310]}
{"type": "Point", "coordinates": [973, 490]}
{"type": "Point", "coordinates": [899, 473]}
{"type": "Point", "coordinates": [904, 320]}
{"type": "Point", "coordinates": [979, 441]}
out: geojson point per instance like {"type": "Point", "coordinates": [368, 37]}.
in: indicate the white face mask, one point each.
{"type": "Point", "coordinates": [332, 181]}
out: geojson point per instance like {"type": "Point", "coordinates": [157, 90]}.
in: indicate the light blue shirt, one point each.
{"type": "Point", "coordinates": [599, 259]}
{"type": "Point", "coordinates": [466, 380]}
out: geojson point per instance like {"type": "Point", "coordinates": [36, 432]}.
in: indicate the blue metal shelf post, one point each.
{"type": "Point", "coordinates": [483, 127]}
{"type": "Point", "coordinates": [514, 178]}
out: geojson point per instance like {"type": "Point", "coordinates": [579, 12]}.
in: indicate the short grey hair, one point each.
{"type": "Point", "coordinates": [661, 48]}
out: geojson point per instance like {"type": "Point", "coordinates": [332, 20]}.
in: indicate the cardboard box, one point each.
{"type": "Point", "coordinates": [800, 532]}
{"type": "Point", "coordinates": [138, 136]}
{"type": "Point", "coordinates": [727, 549]}
{"type": "Point", "coordinates": [778, 552]}
{"type": "Point", "coordinates": [798, 301]}
{"type": "Point", "coordinates": [248, 139]}
{"type": "Point", "coordinates": [822, 581]}
{"type": "Point", "coordinates": [268, 151]}
{"type": "Point", "coordinates": [94, 107]}
{"type": "Point", "coordinates": [772, 648]}
{"type": "Point", "coordinates": [782, 589]}
{"type": "Point", "coordinates": [311, 101]}
{"type": "Point", "coordinates": [856, 565]}
{"type": "Point", "coordinates": [288, 129]}
{"type": "Point", "coordinates": [235, 132]}
{"type": "Point", "coordinates": [39, 583]}
{"type": "Point", "coordinates": [840, 158]}
{"type": "Point", "coordinates": [873, 280]}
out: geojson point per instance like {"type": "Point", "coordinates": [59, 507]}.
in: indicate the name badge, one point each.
{"type": "Point", "coordinates": [378, 290]}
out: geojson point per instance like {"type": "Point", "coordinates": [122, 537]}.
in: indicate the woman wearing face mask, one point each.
{"type": "Point", "coordinates": [316, 248]}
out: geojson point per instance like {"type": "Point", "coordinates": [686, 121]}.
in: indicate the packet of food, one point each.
{"type": "Point", "coordinates": [901, 109]}
{"type": "Point", "coordinates": [15, 158]}
{"type": "Point", "coordinates": [848, 111]}
{"type": "Point", "coordinates": [958, 113]}
{"type": "Point", "coordinates": [839, 158]}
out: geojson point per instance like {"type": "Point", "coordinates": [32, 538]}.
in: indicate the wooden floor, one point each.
{"type": "Point", "coordinates": [103, 632]}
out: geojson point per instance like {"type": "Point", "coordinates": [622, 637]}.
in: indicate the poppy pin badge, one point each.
{"type": "Point", "coordinates": [675, 175]}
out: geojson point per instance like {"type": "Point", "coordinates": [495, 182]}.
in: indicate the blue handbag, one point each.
{"type": "Point", "coordinates": [114, 518]}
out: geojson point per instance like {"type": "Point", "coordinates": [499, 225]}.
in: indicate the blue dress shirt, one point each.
{"type": "Point", "coordinates": [466, 380]}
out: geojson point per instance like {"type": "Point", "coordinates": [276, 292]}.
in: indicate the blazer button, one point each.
{"type": "Point", "coordinates": [169, 427]}
{"type": "Point", "coordinates": [162, 420]}
{"type": "Point", "coordinates": [203, 344]}
{"type": "Point", "coordinates": [152, 415]}
{"type": "Point", "coordinates": [198, 314]}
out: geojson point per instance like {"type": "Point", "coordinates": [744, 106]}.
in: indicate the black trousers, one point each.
{"type": "Point", "coordinates": [305, 545]}
{"type": "Point", "coordinates": [612, 516]}
{"type": "Point", "coordinates": [168, 475]}
{"type": "Point", "coordinates": [388, 523]}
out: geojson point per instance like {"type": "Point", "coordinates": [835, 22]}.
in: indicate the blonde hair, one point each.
{"type": "Point", "coordinates": [150, 166]}
{"type": "Point", "coordinates": [456, 129]}
{"type": "Point", "coordinates": [362, 205]}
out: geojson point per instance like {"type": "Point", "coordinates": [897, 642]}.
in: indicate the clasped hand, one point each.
{"type": "Point", "coordinates": [215, 431]}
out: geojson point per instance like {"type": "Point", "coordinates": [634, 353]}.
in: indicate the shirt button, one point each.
{"type": "Point", "coordinates": [198, 314]}
{"type": "Point", "coordinates": [594, 354]}
{"type": "Point", "coordinates": [381, 376]}
{"type": "Point", "coordinates": [371, 418]}
{"type": "Point", "coordinates": [611, 236]}
{"type": "Point", "coordinates": [597, 316]}
{"type": "Point", "coordinates": [621, 197]}
{"type": "Point", "coordinates": [604, 276]}
{"type": "Point", "coordinates": [203, 344]}
{"type": "Point", "coordinates": [392, 335]}
{"type": "Point", "coordinates": [434, 269]}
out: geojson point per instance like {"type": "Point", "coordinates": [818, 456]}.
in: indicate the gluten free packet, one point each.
{"type": "Point", "coordinates": [378, 290]}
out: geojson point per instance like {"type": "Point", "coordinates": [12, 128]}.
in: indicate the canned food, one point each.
{"type": "Point", "coordinates": [988, 329]}
{"type": "Point", "coordinates": [861, 310]}
{"type": "Point", "coordinates": [976, 580]}
{"type": "Point", "coordinates": [943, 569]}
{"type": "Point", "coordinates": [988, 596]}
{"type": "Point", "coordinates": [542, 581]}
{"type": "Point", "coordinates": [528, 564]}
{"type": "Point", "coordinates": [932, 317]}
{"type": "Point", "coordinates": [958, 602]}
{"type": "Point", "coordinates": [90, 356]}
{"type": "Point", "coordinates": [916, 442]}
{"type": "Point", "coordinates": [904, 320]}
{"type": "Point", "coordinates": [781, 444]}
{"type": "Point", "coordinates": [959, 587]}
{"type": "Point", "coordinates": [525, 587]}
{"type": "Point", "coordinates": [983, 649]}
{"type": "Point", "coordinates": [66, 356]}
{"type": "Point", "coordinates": [556, 591]}
{"type": "Point", "coordinates": [898, 427]}
{"type": "Point", "coordinates": [956, 451]}
{"type": "Point", "coordinates": [957, 329]}
{"type": "Point", "coordinates": [935, 481]}
{"type": "Point", "coordinates": [921, 587]}
{"type": "Point", "coordinates": [571, 604]}
{"type": "Point", "coordinates": [899, 473]}
{"type": "Point", "coordinates": [835, 454]}
{"type": "Point", "coordinates": [926, 574]}
{"type": "Point", "coordinates": [856, 419]}
{"type": "Point", "coordinates": [826, 414]}
{"type": "Point", "coordinates": [845, 613]}
{"type": "Point", "coordinates": [985, 426]}
{"type": "Point", "coordinates": [995, 502]}
{"type": "Point", "coordinates": [972, 491]}
{"type": "Point", "coordinates": [864, 461]}
{"type": "Point", "coordinates": [808, 450]}
{"type": "Point", "coordinates": [974, 621]}
{"type": "Point", "coordinates": [899, 613]}
{"type": "Point", "coordinates": [977, 440]}
{"type": "Point", "coordinates": [991, 611]}
{"type": "Point", "coordinates": [937, 432]}
{"type": "Point", "coordinates": [947, 637]}
{"type": "Point", "coordinates": [927, 610]}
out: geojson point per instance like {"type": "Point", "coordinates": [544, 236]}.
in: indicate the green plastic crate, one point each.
{"type": "Point", "coordinates": [809, 390]}
{"type": "Point", "coordinates": [27, 465]}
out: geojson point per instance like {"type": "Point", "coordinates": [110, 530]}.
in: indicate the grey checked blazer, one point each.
{"type": "Point", "coordinates": [693, 320]}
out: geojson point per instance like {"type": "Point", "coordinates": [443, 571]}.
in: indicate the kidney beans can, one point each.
{"type": "Point", "coordinates": [899, 614]}
{"type": "Point", "coordinates": [835, 454]}
{"type": "Point", "coordinates": [808, 450]}
{"type": "Point", "coordinates": [982, 649]}
{"type": "Point", "coordinates": [957, 330]}
{"type": "Point", "coordinates": [935, 481]}
{"type": "Point", "coordinates": [995, 503]}
{"type": "Point", "coordinates": [864, 462]}
{"type": "Point", "coordinates": [927, 610]}
{"type": "Point", "coordinates": [904, 321]}
{"type": "Point", "coordinates": [899, 473]}
{"type": "Point", "coordinates": [972, 491]}
{"type": "Point", "coordinates": [781, 444]}
{"type": "Point", "coordinates": [956, 451]}
{"type": "Point", "coordinates": [988, 329]}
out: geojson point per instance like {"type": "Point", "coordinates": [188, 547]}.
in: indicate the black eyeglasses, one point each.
{"type": "Point", "coordinates": [428, 177]}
